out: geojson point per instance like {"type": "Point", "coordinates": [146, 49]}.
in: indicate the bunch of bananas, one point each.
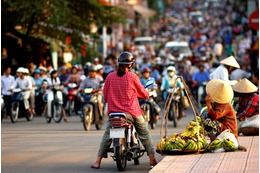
{"type": "Point", "coordinates": [169, 145]}
{"type": "Point", "coordinates": [180, 144]}
{"type": "Point", "coordinates": [191, 146]}
{"type": "Point", "coordinates": [216, 144]}
{"type": "Point", "coordinates": [160, 145]}
{"type": "Point", "coordinates": [186, 141]}
{"type": "Point", "coordinates": [192, 129]}
{"type": "Point", "coordinates": [229, 145]}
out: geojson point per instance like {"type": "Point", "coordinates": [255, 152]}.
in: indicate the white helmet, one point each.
{"type": "Point", "coordinates": [99, 66]}
{"type": "Point", "coordinates": [52, 71]}
{"type": "Point", "coordinates": [20, 70]}
{"type": "Point", "coordinates": [25, 70]}
{"type": "Point", "coordinates": [171, 68]}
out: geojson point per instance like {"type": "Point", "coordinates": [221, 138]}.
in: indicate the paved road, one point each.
{"type": "Point", "coordinates": [38, 147]}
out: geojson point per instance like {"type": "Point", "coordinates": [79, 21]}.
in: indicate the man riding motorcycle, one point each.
{"type": "Point", "coordinates": [25, 84]}
{"type": "Point", "coordinates": [146, 77]}
{"type": "Point", "coordinates": [94, 81]}
{"type": "Point", "coordinates": [121, 90]}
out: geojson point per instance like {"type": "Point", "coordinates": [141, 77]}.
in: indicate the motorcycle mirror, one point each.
{"type": "Point", "coordinates": [88, 90]}
{"type": "Point", "coordinates": [149, 83]}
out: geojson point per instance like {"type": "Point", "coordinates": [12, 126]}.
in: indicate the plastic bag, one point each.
{"type": "Point", "coordinates": [251, 122]}
{"type": "Point", "coordinates": [226, 134]}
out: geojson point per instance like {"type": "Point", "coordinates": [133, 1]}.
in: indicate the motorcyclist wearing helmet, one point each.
{"type": "Point", "coordinates": [25, 84]}
{"type": "Point", "coordinates": [53, 81]}
{"type": "Point", "coordinates": [37, 79]}
{"type": "Point", "coordinates": [74, 71]}
{"type": "Point", "coordinates": [121, 90]}
{"type": "Point", "coordinates": [146, 77]}
{"type": "Point", "coordinates": [95, 82]}
{"type": "Point", "coordinates": [169, 82]}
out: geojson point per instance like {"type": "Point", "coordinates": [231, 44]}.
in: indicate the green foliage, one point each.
{"type": "Point", "coordinates": [58, 18]}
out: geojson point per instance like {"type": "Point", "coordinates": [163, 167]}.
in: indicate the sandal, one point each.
{"type": "Point", "coordinates": [65, 119]}
{"type": "Point", "coordinates": [94, 167]}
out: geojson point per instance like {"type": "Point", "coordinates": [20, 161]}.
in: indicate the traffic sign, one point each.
{"type": "Point", "coordinates": [254, 20]}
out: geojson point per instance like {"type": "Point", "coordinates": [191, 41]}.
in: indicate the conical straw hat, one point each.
{"type": "Point", "coordinates": [220, 91]}
{"type": "Point", "coordinates": [230, 61]}
{"type": "Point", "coordinates": [245, 86]}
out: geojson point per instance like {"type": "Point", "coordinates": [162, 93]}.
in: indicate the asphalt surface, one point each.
{"type": "Point", "coordinates": [38, 147]}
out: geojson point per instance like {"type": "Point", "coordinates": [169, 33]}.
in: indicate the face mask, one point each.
{"type": "Point", "coordinates": [171, 74]}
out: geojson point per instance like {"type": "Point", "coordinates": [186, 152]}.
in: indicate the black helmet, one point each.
{"type": "Point", "coordinates": [126, 58]}
{"type": "Point", "coordinates": [92, 68]}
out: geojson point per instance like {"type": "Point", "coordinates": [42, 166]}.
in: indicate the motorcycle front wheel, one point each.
{"type": "Point", "coordinates": [87, 117]}
{"type": "Point", "coordinates": [57, 112]}
{"type": "Point", "coordinates": [14, 113]}
{"type": "Point", "coordinates": [120, 155]}
{"type": "Point", "coordinates": [29, 117]}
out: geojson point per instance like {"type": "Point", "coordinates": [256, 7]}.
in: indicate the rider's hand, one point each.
{"type": "Point", "coordinates": [238, 80]}
{"type": "Point", "coordinates": [27, 89]}
{"type": "Point", "coordinates": [9, 89]}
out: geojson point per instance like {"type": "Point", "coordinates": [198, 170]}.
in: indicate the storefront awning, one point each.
{"type": "Point", "coordinates": [144, 11]}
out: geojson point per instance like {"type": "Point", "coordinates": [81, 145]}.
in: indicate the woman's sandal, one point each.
{"type": "Point", "coordinates": [94, 167]}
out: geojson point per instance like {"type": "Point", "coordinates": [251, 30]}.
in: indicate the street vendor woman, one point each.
{"type": "Point", "coordinates": [248, 107]}
{"type": "Point", "coordinates": [221, 115]}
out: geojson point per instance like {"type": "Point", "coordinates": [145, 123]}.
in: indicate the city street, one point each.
{"type": "Point", "coordinates": [65, 147]}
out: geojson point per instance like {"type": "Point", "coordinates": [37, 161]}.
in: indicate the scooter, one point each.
{"type": "Point", "coordinates": [17, 106]}
{"type": "Point", "coordinates": [71, 98]}
{"type": "Point", "coordinates": [175, 107]}
{"type": "Point", "coordinates": [148, 109]}
{"type": "Point", "coordinates": [55, 105]}
{"type": "Point", "coordinates": [126, 143]}
{"type": "Point", "coordinates": [89, 109]}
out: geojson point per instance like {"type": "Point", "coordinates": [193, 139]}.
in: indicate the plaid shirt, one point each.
{"type": "Point", "coordinates": [248, 106]}
{"type": "Point", "coordinates": [225, 114]}
{"type": "Point", "coordinates": [121, 93]}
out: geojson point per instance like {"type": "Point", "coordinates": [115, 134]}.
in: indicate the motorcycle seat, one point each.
{"type": "Point", "coordinates": [122, 114]}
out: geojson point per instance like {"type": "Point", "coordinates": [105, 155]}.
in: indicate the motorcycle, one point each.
{"type": "Point", "coordinates": [89, 109]}
{"type": "Point", "coordinates": [148, 109]}
{"type": "Point", "coordinates": [55, 105]}
{"type": "Point", "coordinates": [39, 104]}
{"type": "Point", "coordinates": [175, 107]}
{"type": "Point", "coordinates": [126, 143]}
{"type": "Point", "coordinates": [71, 98]}
{"type": "Point", "coordinates": [17, 106]}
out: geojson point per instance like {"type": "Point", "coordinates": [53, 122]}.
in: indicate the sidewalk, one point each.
{"type": "Point", "coordinates": [238, 161]}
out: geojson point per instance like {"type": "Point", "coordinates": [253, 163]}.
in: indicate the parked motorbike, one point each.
{"type": "Point", "coordinates": [175, 107]}
{"type": "Point", "coordinates": [55, 105]}
{"type": "Point", "coordinates": [17, 106]}
{"type": "Point", "coordinates": [39, 103]}
{"type": "Point", "coordinates": [71, 98]}
{"type": "Point", "coordinates": [148, 109]}
{"type": "Point", "coordinates": [89, 109]}
{"type": "Point", "coordinates": [126, 143]}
